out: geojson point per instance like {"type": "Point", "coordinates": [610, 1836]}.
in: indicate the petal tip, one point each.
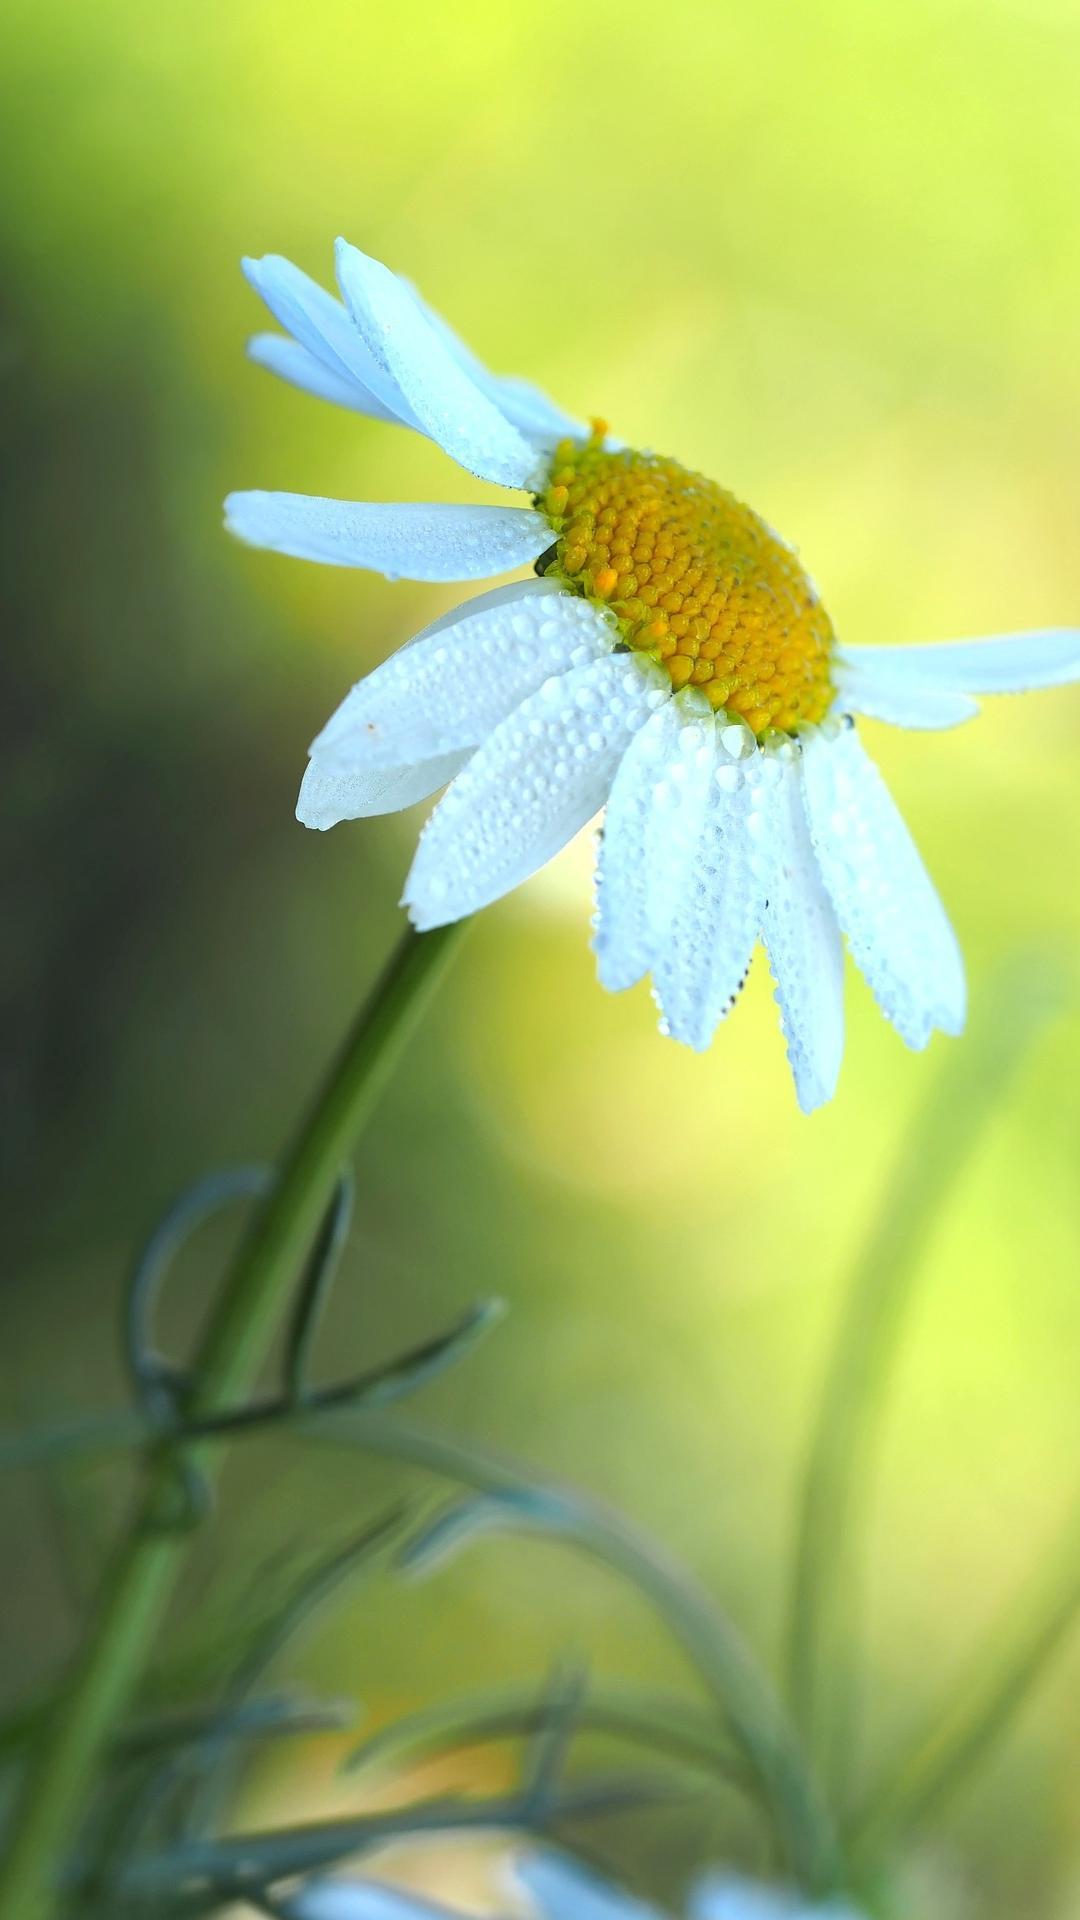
{"type": "Point", "coordinates": [812, 1098]}
{"type": "Point", "coordinates": [238, 512]}
{"type": "Point", "coordinates": [424, 915]}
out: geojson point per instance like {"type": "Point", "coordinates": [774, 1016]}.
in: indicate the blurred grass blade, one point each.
{"type": "Point", "coordinates": [674, 1728]}
{"type": "Point", "coordinates": [308, 1595]}
{"type": "Point", "coordinates": [97, 1434]}
{"type": "Point", "coordinates": [274, 1715]}
{"type": "Point", "coordinates": [825, 1591]}
{"type": "Point", "coordinates": [710, 1641]}
{"type": "Point", "coordinates": [231, 1866]}
{"type": "Point", "coordinates": [380, 1386]}
{"type": "Point", "coordinates": [182, 1797]}
{"type": "Point", "coordinates": [413, 1369]}
{"type": "Point", "coordinates": [144, 1811]}
{"type": "Point", "coordinates": [559, 1719]}
{"type": "Point", "coordinates": [312, 1591]}
{"type": "Point", "coordinates": [509, 1509]}
{"type": "Point", "coordinates": [999, 1679]}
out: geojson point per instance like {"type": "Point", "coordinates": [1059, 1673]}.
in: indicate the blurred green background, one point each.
{"type": "Point", "coordinates": [830, 255]}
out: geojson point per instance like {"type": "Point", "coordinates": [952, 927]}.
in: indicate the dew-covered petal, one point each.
{"type": "Point", "coordinates": [895, 924]}
{"type": "Point", "coordinates": [292, 362]}
{"type": "Point", "coordinates": [526, 405]}
{"type": "Point", "coordinates": [440, 394]}
{"type": "Point", "coordinates": [529, 407]}
{"type": "Point", "coordinates": [896, 699]}
{"type": "Point", "coordinates": [322, 325]}
{"type": "Point", "coordinates": [454, 683]}
{"type": "Point", "coordinates": [801, 936]}
{"type": "Point", "coordinates": [564, 1890]}
{"type": "Point", "coordinates": [651, 825]}
{"type": "Point", "coordinates": [704, 959]}
{"type": "Point", "coordinates": [360, 1900]}
{"type": "Point", "coordinates": [406, 541]}
{"type": "Point", "coordinates": [535, 781]}
{"type": "Point", "coordinates": [328, 795]}
{"type": "Point", "coordinates": [1001, 663]}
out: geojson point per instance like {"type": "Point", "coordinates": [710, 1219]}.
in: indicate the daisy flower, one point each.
{"type": "Point", "coordinates": [670, 661]}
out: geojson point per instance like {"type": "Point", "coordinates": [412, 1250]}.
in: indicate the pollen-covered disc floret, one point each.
{"type": "Point", "coordinates": [693, 578]}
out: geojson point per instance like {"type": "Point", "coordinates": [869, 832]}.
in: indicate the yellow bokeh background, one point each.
{"type": "Point", "coordinates": [828, 254]}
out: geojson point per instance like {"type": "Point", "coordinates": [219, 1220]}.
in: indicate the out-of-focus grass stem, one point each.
{"type": "Point", "coordinates": [824, 1598]}
{"type": "Point", "coordinates": [998, 1679]}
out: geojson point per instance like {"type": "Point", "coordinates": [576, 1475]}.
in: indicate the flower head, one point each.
{"type": "Point", "coordinates": [671, 662]}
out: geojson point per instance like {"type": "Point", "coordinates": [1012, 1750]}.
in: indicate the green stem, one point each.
{"type": "Point", "coordinates": [256, 1295]}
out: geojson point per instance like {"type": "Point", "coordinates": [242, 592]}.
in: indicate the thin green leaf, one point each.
{"type": "Point", "coordinates": [232, 1866]}
{"type": "Point", "coordinates": [296, 1613]}
{"type": "Point", "coordinates": [561, 1703]}
{"type": "Point", "coordinates": [315, 1287]}
{"type": "Point", "coordinates": [309, 1594]}
{"type": "Point", "coordinates": [275, 1716]}
{"type": "Point", "coordinates": [669, 1726]}
{"type": "Point", "coordinates": [98, 1434]}
{"type": "Point", "coordinates": [378, 1387]}
{"type": "Point", "coordinates": [154, 1380]}
{"type": "Point", "coordinates": [511, 1496]}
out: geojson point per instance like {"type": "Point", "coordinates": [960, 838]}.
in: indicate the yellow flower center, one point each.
{"type": "Point", "coordinates": [693, 578]}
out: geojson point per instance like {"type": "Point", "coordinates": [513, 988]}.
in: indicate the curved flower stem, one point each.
{"type": "Point", "coordinates": [256, 1296]}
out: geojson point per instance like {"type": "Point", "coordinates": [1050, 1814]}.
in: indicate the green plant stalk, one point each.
{"type": "Point", "coordinates": [822, 1641]}
{"type": "Point", "coordinates": [257, 1294]}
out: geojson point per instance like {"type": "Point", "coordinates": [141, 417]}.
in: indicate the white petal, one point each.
{"type": "Point", "coordinates": [1002, 663]}
{"type": "Point", "coordinates": [651, 826]}
{"type": "Point", "coordinates": [896, 699]}
{"type": "Point", "coordinates": [896, 926]}
{"type": "Point", "coordinates": [451, 686]}
{"type": "Point", "coordinates": [442, 397]}
{"type": "Point", "coordinates": [327, 796]}
{"type": "Point", "coordinates": [529, 408]}
{"type": "Point", "coordinates": [292, 362]}
{"type": "Point", "coordinates": [563, 1890]}
{"type": "Point", "coordinates": [321, 324]}
{"type": "Point", "coordinates": [535, 781]}
{"type": "Point", "coordinates": [802, 939]}
{"type": "Point", "coordinates": [525, 405]}
{"type": "Point", "coordinates": [704, 959]}
{"type": "Point", "coordinates": [360, 1900]}
{"type": "Point", "coordinates": [437, 542]}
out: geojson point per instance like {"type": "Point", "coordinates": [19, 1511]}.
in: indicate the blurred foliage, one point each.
{"type": "Point", "coordinates": [827, 253]}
